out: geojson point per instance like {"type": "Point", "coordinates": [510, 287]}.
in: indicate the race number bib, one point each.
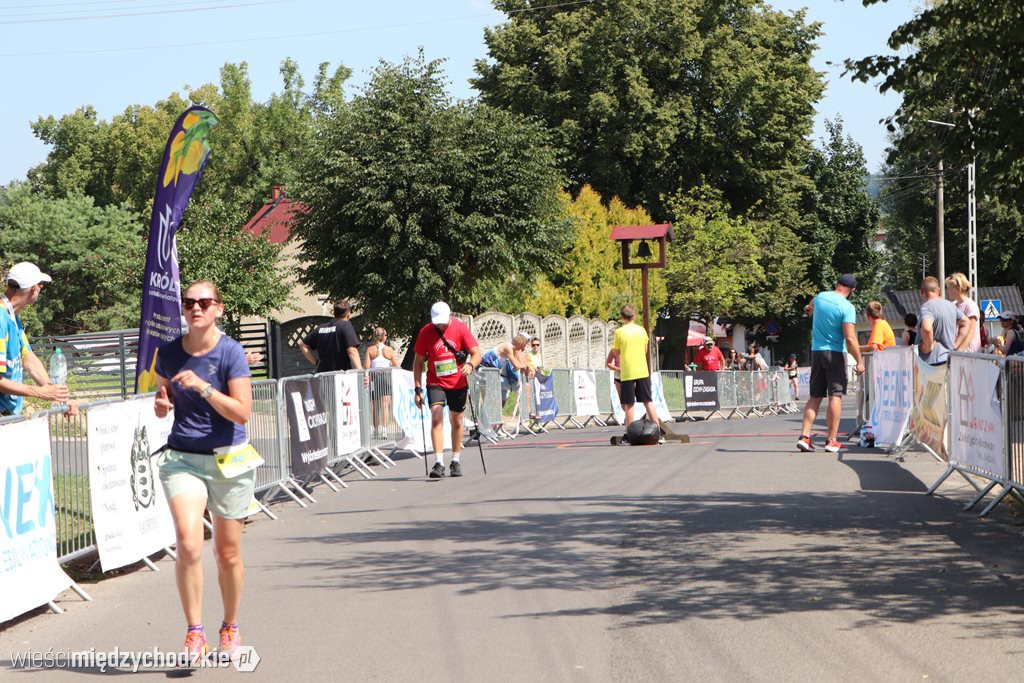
{"type": "Point", "coordinates": [443, 368]}
{"type": "Point", "coordinates": [238, 460]}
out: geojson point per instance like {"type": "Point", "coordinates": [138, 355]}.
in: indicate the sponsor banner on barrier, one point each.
{"type": "Point", "coordinates": [129, 508]}
{"type": "Point", "coordinates": [308, 440]}
{"type": "Point", "coordinates": [929, 414]}
{"type": "Point", "coordinates": [544, 396]}
{"type": "Point", "coordinates": [658, 392]}
{"type": "Point", "coordinates": [346, 412]}
{"type": "Point", "coordinates": [892, 386]}
{"type": "Point", "coordinates": [803, 381]}
{"type": "Point", "coordinates": [617, 411]}
{"type": "Point", "coordinates": [413, 421]}
{"type": "Point", "coordinates": [976, 421]}
{"type": "Point", "coordinates": [701, 390]}
{"type": "Point", "coordinates": [29, 573]}
{"type": "Point", "coordinates": [585, 386]}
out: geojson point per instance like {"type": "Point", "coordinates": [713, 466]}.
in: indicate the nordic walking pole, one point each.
{"type": "Point", "coordinates": [476, 427]}
{"type": "Point", "coordinates": [423, 433]}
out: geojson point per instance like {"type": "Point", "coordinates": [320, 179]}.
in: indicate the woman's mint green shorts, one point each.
{"type": "Point", "coordinates": [191, 473]}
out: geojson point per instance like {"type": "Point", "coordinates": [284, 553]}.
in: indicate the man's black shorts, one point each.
{"type": "Point", "coordinates": [455, 398]}
{"type": "Point", "coordinates": [828, 374]}
{"type": "Point", "coordinates": [633, 390]}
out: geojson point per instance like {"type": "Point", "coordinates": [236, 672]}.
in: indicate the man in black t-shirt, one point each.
{"type": "Point", "coordinates": [335, 343]}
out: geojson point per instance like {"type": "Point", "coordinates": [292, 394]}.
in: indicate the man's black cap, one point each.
{"type": "Point", "coordinates": [847, 280]}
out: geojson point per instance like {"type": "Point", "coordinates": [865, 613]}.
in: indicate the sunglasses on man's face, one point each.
{"type": "Point", "coordinates": [536, 346]}
{"type": "Point", "coordinates": [187, 304]}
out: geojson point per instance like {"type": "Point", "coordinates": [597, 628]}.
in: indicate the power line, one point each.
{"type": "Point", "coordinates": [140, 14]}
{"type": "Point", "coordinates": [50, 53]}
{"type": "Point", "coordinates": [64, 4]}
{"type": "Point", "coordinates": [105, 9]}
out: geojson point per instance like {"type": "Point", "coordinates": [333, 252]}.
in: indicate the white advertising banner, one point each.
{"type": "Point", "coordinates": [658, 391]}
{"type": "Point", "coordinates": [617, 411]}
{"type": "Point", "coordinates": [976, 421]}
{"type": "Point", "coordinates": [29, 573]}
{"type": "Point", "coordinates": [891, 393]}
{"type": "Point", "coordinates": [346, 412]}
{"type": "Point", "coordinates": [129, 508]}
{"type": "Point", "coordinates": [408, 416]}
{"type": "Point", "coordinates": [585, 386]}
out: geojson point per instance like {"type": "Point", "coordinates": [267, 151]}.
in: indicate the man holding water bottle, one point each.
{"type": "Point", "coordinates": [24, 283]}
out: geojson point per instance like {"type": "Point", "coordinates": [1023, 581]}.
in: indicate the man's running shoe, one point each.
{"type": "Point", "coordinates": [437, 471]}
{"type": "Point", "coordinates": [805, 444]}
{"type": "Point", "coordinates": [455, 469]}
{"type": "Point", "coordinates": [835, 447]}
{"type": "Point", "coordinates": [230, 640]}
{"type": "Point", "coordinates": [624, 441]}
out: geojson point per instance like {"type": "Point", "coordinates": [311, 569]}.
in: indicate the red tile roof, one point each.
{"type": "Point", "coordinates": [642, 232]}
{"type": "Point", "coordinates": [275, 218]}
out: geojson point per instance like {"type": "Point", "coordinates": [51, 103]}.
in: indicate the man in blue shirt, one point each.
{"type": "Point", "coordinates": [24, 282]}
{"type": "Point", "coordinates": [833, 333]}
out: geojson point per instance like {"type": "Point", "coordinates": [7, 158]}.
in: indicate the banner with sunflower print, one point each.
{"type": "Point", "coordinates": [161, 321]}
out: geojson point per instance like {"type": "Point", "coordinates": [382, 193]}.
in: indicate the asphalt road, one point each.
{"type": "Point", "coordinates": [733, 557]}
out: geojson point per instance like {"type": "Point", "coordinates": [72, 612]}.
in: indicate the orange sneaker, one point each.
{"type": "Point", "coordinates": [195, 645]}
{"type": "Point", "coordinates": [804, 444]}
{"type": "Point", "coordinates": [229, 638]}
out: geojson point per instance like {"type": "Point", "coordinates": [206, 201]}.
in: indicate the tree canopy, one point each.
{"type": "Point", "coordinates": [589, 279]}
{"type": "Point", "coordinates": [92, 253]}
{"type": "Point", "coordinates": [971, 70]}
{"type": "Point", "coordinates": [647, 97]}
{"type": "Point", "coordinates": [415, 198]}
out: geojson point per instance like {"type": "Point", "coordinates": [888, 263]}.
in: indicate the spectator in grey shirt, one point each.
{"type": "Point", "coordinates": [941, 325]}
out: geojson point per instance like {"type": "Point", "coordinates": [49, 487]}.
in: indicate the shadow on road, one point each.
{"type": "Point", "coordinates": [887, 552]}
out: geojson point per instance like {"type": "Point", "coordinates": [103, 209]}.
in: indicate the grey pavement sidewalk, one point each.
{"type": "Point", "coordinates": [733, 557]}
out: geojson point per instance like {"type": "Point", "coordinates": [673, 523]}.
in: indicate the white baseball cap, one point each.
{"type": "Point", "coordinates": [27, 275]}
{"type": "Point", "coordinates": [440, 313]}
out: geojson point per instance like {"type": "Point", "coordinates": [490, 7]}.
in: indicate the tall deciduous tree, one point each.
{"type": "Point", "coordinates": [589, 281]}
{"type": "Point", "coordinates": [650, 96]}
{"type": "Point", "coordinates": [841, 218]}
{"type": "Point", "coordinates": [965, 50]}
{"type": "Point", "coordinates": [93, 254]}
{"type": "Point", "coordinates": [414, 198]}
{"type": "Point", "coordinates": [256, 145]}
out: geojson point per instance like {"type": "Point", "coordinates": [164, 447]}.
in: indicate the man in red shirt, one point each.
{"type": "Point", "coordinates": [451, 354]}
{"type": "Point", "coordinates": [709, 356]}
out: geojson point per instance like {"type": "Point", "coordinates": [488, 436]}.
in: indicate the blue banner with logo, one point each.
{"type": "Point", "coordinates": [544, 391]}
{"type": "Point", "coordinates": [184, 159]}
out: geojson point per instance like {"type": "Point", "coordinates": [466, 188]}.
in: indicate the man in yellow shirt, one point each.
{"type": "Point", "coordinates": [881, 331]}
{"type": "Point", "coordinates": [629, 357]}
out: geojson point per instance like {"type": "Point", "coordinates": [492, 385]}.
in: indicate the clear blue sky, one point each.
{"type": "Point", "coordinates": [57, 55]}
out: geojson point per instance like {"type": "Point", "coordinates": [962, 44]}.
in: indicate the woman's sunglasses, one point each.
{"type": "Point", "coordinates": [187, 304]}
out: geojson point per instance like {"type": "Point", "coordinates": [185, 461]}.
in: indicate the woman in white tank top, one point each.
{"type": "Point", "coordinates": [378, 356]}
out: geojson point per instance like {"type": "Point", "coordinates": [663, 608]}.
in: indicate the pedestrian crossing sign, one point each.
{"type": "Point", "coordinates": [991, 308]}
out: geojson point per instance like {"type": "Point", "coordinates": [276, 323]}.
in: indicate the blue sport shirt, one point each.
{"type": "Point", "coordinates": [831, 310]}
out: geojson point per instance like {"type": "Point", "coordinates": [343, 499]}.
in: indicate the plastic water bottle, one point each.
{"type": "Point", "coordinates": [58, 368]}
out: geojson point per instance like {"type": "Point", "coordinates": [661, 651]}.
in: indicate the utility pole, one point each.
{"type": "Point", "coordinates": [972, 230]}
{"type": "Point", "coordinates": [940, 228]}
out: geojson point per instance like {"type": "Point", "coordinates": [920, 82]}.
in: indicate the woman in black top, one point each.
{"type": "Point", "coordinates": [909, 336]}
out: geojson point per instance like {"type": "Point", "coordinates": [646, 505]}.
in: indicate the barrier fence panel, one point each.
{"type": "Point", "coordinates": [607, 398]}
{"type": "Point", "coordinates": [672, 383]}
{"type": "Point", "coordinates": [485, 392]}
{"type": "Point", "coordinates": [579, 342]}
{"type": "Point", "coordinates": [1013, 391]}
{"type": "Point", "coordinates": [975, 436]}
{"type": "Point", "coordinates": [562, 383]}
{"type": "Point", "coordinates": [727, 393]}
{"type": "Point", "coordinates": [263, 429]}
{"type": "Point", "coordinates": [744, 392]}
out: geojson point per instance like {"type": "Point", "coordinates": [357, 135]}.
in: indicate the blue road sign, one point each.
{"type": "Point", "coordinates": [991, 308]}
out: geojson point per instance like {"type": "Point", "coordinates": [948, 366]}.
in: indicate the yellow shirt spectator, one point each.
{"type": "Point", "coordinates": [631, 343]}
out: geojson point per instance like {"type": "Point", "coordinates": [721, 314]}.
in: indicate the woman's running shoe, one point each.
{"type": "Point", "coordinates": [229, 638]}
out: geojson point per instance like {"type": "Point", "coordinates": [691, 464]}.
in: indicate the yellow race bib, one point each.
{"type": "Point", "coordinates": [238, 460]}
